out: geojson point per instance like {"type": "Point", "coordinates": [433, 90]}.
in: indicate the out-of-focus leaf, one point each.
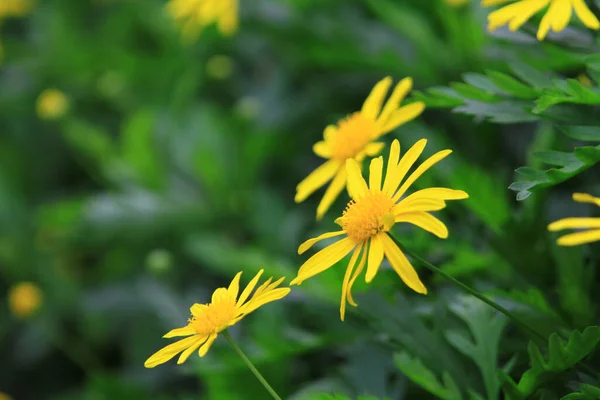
{"type": "Point", "coordinates": [586, 392]}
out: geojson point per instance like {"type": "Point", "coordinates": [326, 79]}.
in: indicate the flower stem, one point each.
{"type": "Point", "coordinates": [251, 366]}
{"type": "Point", "coordinates": [474, 292]}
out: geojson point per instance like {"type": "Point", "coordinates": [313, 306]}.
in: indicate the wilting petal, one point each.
{"type": "Point", "coordinates": [420, 171]}
{"type": "Point", "coordinates": [567, 223]}
{"type": "Point", "coordinates": [373, 103]}
{"type": "Point", "coordinates": [346, 280]}
{"type": "Point", "coordinates": [310, 242]}
{"type": "Point", "coordinates": [316, 179]}
{"type": "Point", "coordinates": [185, 331]}
{"type": "Point", "coordinates": [166, 353]}
{"type": "Point", "coordinates": [425, 221]}
{"type": "Point", "coordinates": [402, 266]}
{"type": "Point", "coordinates": [323, 260]}
{"type": "Point", "coordinates": [375, 257]}
{"type": "Point", "coordinates": [356, 184]}
{"type": "Point", "coordinates": [333, 191]}
{"type": "Point", "coordinates": [578, 238]}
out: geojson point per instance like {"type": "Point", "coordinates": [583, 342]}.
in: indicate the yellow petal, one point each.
{"type": "Point", "coordinates": [405, 164]}
{"type": "Point", "coordinates": [166, 353]}
{"type": "Point", "coordinates": [375, 257]}
{"type": "Point", "coordinates": [220, 295]}
{"type": "Point", "coordinates": [206, 346]}
{"type": "Point", "coordinates": [403, 115]}
{"type": "Point", "coordinates": [392, 164]}
{"type": "Point", "coordinates": [578, 238]}
{"type": "Point", "coordinates": [310, 242]}
{"type": "Point", "coordinates": [356, 184]}
{"type": "Point", "coordinates": [333, 191]}
{"type": "Point", "coordinates": [373, 103]}
{"type": "Point", "coordinates": [188, 352]}
{"type": "Point", "coordinates": [431, 161]}
{"type": "Point", "coordinates": [425, 221]}
{"type": "Point", "coordinates": [198, 309]}
{"type": "Point", "coordinates": [402, 266]}
{"type": "Point", "coordinates": [262, 288]}
{"type": "Point", "coordinates": [418, 204]}
{"type": "Point", "coordinates": [316, 179]}
{"type": "Point", "coordinates": [586, 198]}
{"type": "Point", "coordinates": [374, 148]}
{"type": "Point", "coordinates": [329, 132]}
{"type": "Point", "coordinates": [585, 15]}
{"type": "Point", "coordinates": [185, 331]}
{"type": "Point", "coordinates": [400, 91]}
{"type": "Point", "coordinates": [375, 173]}
{"type": "Point", "coordinates": [323, 260]}
{"type": "Point", "coordinates": [264, 298]}
{"type": "Point", "coordinates": [246, 293]}
{"type": "Point", "coordinates": [557, 18]}
{"type": "Point", "coordinates": [346, 280]}
{"type": "Point", "coordinates": [567, 223]}
{"type": "Point", "coordinates": [526, 11]}
{"type": "Point", "coordinates": [359, 269]}
{"type": "Point", "coordinates": [322, 149]}
{"type": "Point", "coordinates": [487, 3]}
{"type": "Point", "coordinates": [234, 286]}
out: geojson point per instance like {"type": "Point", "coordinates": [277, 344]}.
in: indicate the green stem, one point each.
{"type": "Point", "coordinates": [251, 366]}
{"type": "Point", "coordinates": [473, 292]}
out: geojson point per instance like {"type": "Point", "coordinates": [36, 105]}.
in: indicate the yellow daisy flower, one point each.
{"type": "Point", "coordinates": [556, 18]}
{"type": "Point", "coordinates": [52, 104]}
{"type": "Point", "coordinates": [208, 320]}
{"type": "Point", "coordinates": [195, 15]}
{"type": "Point", "coordinates": [371, 214]}
{"type": "Point", "coordinates": [24, 299]}
{"type": "Point", "coordinates": [354, 138]}
{"type": "Point", "coordinates": [592, 234]}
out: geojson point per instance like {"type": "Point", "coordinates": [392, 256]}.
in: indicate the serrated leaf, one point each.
{"type": "Point", "coordinates": [561, 357]}
{"type": "Point", "coordinates": [583, 133]}
{"type": "Point", "coordinates": [414, 369]}
{"type": "Point", "coordinates": [486, 326]}
{"type": "Point", "coordinates": [474, 93]}
{"type": "Point", "coordinates": [511, 85]}
{"type": "Point", "coordinates": [530, 75]}
{"type": "Point", "coordinates": [505, 112]}
{"type": "Point", "coordinates": [559, 158]}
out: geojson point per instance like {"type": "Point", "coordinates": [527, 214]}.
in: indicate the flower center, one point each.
{"type": "Point", "coordinates": [367, 216]}
{"type": "Point", "coordinates": [215, 317]}
{"type": "Point", "coordinates": [353, 134]}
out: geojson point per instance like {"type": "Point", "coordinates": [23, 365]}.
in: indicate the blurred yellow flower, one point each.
{"type": "Point", "coordinates": [15, 8]}
{"type": "Point", "coordinates": [456, 3]}
{"type": "Point", "coordinates": [219, 67]}
{"type": "Point", "coordinates": [372, 212]}
{"type": "Point", "coordinates": [52, 104]}
{"type": "Point", "coordinates": [208, 320]}
{"type": "Point", "coordinates": [354, 138]}
{"type": "Point", "coordinates": [592, 234]}
{"type": "Point", "coordinates": [24, 299]}
{"type": "Point", "coordinates": [585, 80]}
{"type": "Point", "coordinates": [195, 15]}
{"type": "Point", "coordinates": [4, 396]}
{"type": "Point", "coordinates": [556, 18]}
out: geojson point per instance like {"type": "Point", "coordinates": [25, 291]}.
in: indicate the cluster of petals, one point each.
{"type": "Point", "coordinates": [355, 137]}
{"type": "Point", "coordinates": [195, 15]}
{"type": "Point", "coordinates": [375, 208]}
{"type": "Point", "coordinates": [590, 226]}
{"type": "Point", "coordinates": [556, 18]}
{"type": "Point", "coordinates": [208, 320]}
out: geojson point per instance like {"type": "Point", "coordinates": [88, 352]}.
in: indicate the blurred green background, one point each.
{"type": "Point", "coordinates": [174, 166]}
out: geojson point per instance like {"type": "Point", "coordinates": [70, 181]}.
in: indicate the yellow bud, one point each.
{"type": "Point", "coordinates": [52, 104]}
{"type": "Point", "coordinates": [24, 299]}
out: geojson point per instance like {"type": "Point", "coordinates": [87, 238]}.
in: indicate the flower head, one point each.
{"type": "Point", "coordinates": [208, 320]}
{"type": "Point", "coordinates": [592, 225]}
{"type": "Point", "coordinates": [355, 138]}
{"type": "Point", "coordinates": [24, 299]}
{"type": "Point", "coordinates": [52, 104]}
{"type": "Point", "coordinates": [195, 15]}
{"type": "Point", "coordinates": [373, 211]}
{"type": "Point", "coordinates": [556, 18]}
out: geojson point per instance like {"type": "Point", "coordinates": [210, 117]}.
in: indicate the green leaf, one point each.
{"type": "Point", "coordinates": [586, 392]}
{"type": "Point", "coordinates": [535, 78]}
{"type": "Point", "coordinates": [583, 133]}
{"type": "Point", "coordinates": [561, 357]}
{"type": "Point", "coordinates": [512, 85]}
{"type": "Point", "coordinates": [505, 112]}
{"type": "Point", "coordinates": [414, 369]}
{"type": "Point", "coordinates": [93, 142]}
{"type": "Point", "coordinates": [486, 326]}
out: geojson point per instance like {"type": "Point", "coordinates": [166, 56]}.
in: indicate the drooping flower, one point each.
{"type": "Point", "coordinates": [371, 214]}
{"type": "Point", "coordinates": [24, 299]}
{"type": "Point", "coordinates": [52, 104]}
{"type": "Point", "coordinates": [208, 320]}
{"type": "Point", "coordinates": [195, 15]}
{"type": "Point", "coordinates": [355, 138]}
{"type": "Point", "coordinates": [591, 225]}
{"type": "Point", "coordinates": [556, 18]}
